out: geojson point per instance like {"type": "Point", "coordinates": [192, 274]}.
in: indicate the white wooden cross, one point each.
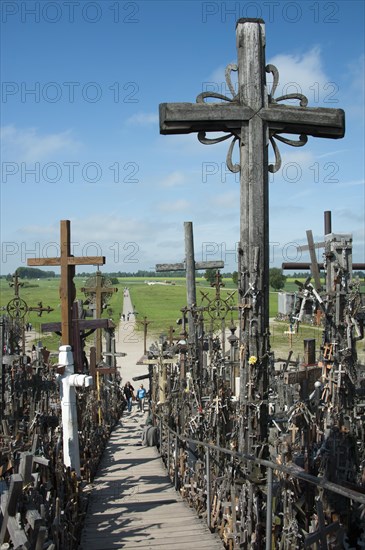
{"type": "Point", "coordinates": [68, 381]}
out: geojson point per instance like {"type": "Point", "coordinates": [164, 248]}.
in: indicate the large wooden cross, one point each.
{"type": "Point", "coordinates": [98, 290]}
{"type": "Point", "coordinates": [67, 288]}
{"type": "Point", "coordinates": [252, 118]}
{"type": "Point", "coordinates": [190, 266]}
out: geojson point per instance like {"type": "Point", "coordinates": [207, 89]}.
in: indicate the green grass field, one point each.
{"type": "Point", "coordinates": [161, 304]}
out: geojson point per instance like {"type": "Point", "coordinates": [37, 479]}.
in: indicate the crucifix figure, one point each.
{"type": "Point", "coordinates": [67, 288]}
{"type": "Point", "coordinates": [98, 289]}
{"type": "Point", "coordinates": [190, 266]}
{"type": "Point", "coordinates": [252, 118]}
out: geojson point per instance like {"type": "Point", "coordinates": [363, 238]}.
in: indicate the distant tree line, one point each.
{"type": "Point", "coordinates": [31, 273]}
{"type": "Point", "coordinates": [209, 275]}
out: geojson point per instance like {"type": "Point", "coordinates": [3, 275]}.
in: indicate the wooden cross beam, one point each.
{"type": "Point", "coordinates": [252, 118]}
{"type": "Point", "coordinates": [98, 290]}
{"type": "Point", "coordinates": [190, 266]}
{"type": "Point", "coordinates": [78, 326]}
{"type": "Point", "coordinates": [40, 309]}
{"type": "Point", "coordinates": [67, 262]}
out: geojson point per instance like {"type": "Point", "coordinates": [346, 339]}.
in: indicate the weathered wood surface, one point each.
{"type": "Point", "coordinates": [133, 503]}
{"type": "Point", "coordinates": [199, 266]}
{"type": "Point", "coordinates": [67, 288]}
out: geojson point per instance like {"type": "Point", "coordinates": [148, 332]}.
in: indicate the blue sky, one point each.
{"type": "Point", "coordinates": [81, 85]}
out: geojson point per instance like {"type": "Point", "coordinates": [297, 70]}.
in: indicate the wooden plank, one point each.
{"type": "Point", "coordinates": [83, 324]}
{"type": "Point", "coordinates": [72, 260]}
{"type": "Point", "coordinates": [306, 265]}
{"type": "Point", "coordinates": [313, 121]}
{"type": "Point", "coordinates": [133, 503]}
{"type": "Point", "coordinates": [199, 266]}
{"type": "Point", "coordinates": [170, 267]}
{"type": "Point", "coordinates": [183, 118]}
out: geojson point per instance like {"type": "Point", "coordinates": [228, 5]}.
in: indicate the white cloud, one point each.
{"type": "Point", "coordinates": [302, 73]}
{"type": "Point", "coordinates": [174, 206]}
{"type": "Point", "coordinates": [227, 200]}
{"type": "Point", "coordinates": [26, 144]}
{"type": "Point", "coordinates": [173, 179]}
{"type": "Point", "coordinates": [143, 119]}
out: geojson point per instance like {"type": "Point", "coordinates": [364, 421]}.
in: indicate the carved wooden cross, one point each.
{"type": "Point", "coordinates": [190, 266]}
{"type": "Point", "coordinates": [252, 118]}
{"type": "Point", "coordinates": [98, 290]}
{"type": "Point", "coordinates": [67, 288]}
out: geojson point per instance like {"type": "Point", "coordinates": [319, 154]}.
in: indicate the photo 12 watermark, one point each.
{"type": "Point", "coordinates": [28, 12]}
{"type": "Point", "coordinates": [326, 172]}
{"type": "Point", "coordinates": [69, 92]}
{"type": "Point", "coordinates": [117, 252]}
{"type": "Point", "coordinates": [69, 172]}
{"type": "Point", "coordinates": [229, 252]}
{"type": "Point", "coordinates": [325, 93]}
{"type": "Point", "coordinates": [271, 12]}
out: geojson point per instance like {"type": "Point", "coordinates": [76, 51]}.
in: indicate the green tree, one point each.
{"type": "Point", "coordinates": [235, 277]}
{"type": "Point", "coordinates": [209, 275]}
{"type": "Point", "coordinates": [276, 278]}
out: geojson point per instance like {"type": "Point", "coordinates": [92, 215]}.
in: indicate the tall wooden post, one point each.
{"type": "Point", "coordinates": [190, 272]}
{"type": "Point", "coordinates": [252, 118]}
{"type": "Point", "coordinates": [190, 266]}
{"type": "Point", "coordinates": [254, 220]}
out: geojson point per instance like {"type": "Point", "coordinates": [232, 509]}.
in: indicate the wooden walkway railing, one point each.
{"type": "Point", "coordinates": [133, 504]}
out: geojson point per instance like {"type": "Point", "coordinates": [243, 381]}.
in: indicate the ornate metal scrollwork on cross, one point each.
{"type": "Point", "coordinates": [275, 135]}
{"type": "Point", "coordinates": [17, 308]}
{"type": "Point", "coordinates": [235, 135]}
{"type": "Point", "coordinates": [218, 307]}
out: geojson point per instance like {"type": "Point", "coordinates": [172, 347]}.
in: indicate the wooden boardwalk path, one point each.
{"type": "Point", "coordinates": [133, 503]}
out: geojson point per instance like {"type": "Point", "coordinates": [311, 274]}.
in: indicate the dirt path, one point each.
{"type": "Point", "coordinates": [130, 341]}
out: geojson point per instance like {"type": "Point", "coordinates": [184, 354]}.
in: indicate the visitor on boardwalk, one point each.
{"type": "Point", "coordinates": [141, 396]}
{"type": "Point", "coordinates": [128, 392]}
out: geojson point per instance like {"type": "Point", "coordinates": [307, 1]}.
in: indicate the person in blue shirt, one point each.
{"type": "Point", "coordinates": [141, 396]}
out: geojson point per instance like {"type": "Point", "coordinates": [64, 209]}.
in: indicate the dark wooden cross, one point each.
{"type": "Point", "coordinates": [67, 288]}
{"type": "Point", "coordinates": [190, 266]}
{"type": "Point", "coordinates": [81, 329]}
{"type": "Point", "coordinates": [320, 536]}
{"type": "Point", "coordinates": [111, 353]}
{"type": "Point", "coordinates": [145, 324]}
{"type": "Point", "coordinates": [98, 290]}
{"type": "Point", "coordinates": [252, 118]}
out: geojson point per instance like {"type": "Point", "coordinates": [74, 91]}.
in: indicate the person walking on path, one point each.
{"type": "Point", "coordinates": [128, 392]}
{"type": "Point", "coordinates": [141, 396]}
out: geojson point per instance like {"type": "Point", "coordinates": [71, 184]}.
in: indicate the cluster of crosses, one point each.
{"type": "Point", "coordinates": [252, 118]}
